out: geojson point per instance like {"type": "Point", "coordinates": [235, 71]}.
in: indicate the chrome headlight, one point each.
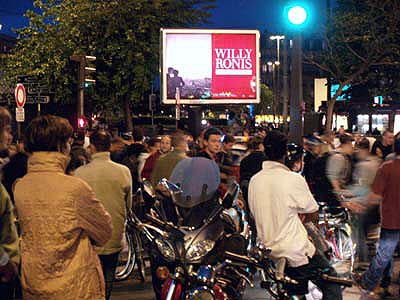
{"type": "Point", "coordinates": [199, 249]}
{"type": "Point", "coordinates": [201, 293]}
{"type": "Point", "coordinates": [166, 249]}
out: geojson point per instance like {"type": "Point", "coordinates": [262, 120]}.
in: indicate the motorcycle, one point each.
{"type": "Point", "coordinates": [193, 255]}
{"type": "Point", "coordinates": [273, 277]}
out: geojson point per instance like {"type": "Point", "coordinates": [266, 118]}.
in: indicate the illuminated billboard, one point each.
{"type": "Point", "coordinates": [344, 96]}
{"type": "Point", "coordinates": [210, 66]}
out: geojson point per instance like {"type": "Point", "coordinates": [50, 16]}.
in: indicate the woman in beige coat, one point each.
{"type": "Point", "coordinates": [60, 218]}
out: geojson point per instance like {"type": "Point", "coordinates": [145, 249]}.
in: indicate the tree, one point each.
{"type": "Point", "coordinates": [361, 36]}
{"type": "Point", "coordinates": [122, 34]}
{"type": "Point", "coordinates": [266, 100]}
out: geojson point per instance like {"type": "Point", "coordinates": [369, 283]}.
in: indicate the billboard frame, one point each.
{"type": "Point", "coordinates": [163, 67]}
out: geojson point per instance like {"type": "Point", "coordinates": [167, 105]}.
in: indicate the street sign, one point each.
{"type": "Point", "coordinates": [19, 114]}
{"type": "Point", "coordinates": [20, 95]}
{"type": "Point", "coordinates": [37, 99]}
{"type": "Point", "coordinates": [37, 90]}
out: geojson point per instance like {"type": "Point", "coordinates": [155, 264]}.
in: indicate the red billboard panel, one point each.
{"type": "Point", "coordinates": [210, 66]}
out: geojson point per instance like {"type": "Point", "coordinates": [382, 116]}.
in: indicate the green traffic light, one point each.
{"type": "Point", "coordinates": [297, 15]}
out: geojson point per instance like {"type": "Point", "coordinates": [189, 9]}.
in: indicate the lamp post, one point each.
{"type": "Point", "coordinates": [278, 39]}
{"type": "Point", "coordinates": [272, 67]}
{"type": "Point", "coordinates": [297, 16]}
{"type": "Point", "coordinates": [277, 90]}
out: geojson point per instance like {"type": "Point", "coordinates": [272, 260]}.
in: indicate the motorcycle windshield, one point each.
{"type": "Point", "coordinates": [198, 179]}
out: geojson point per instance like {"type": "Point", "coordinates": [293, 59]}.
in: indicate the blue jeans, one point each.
{"type": "Point", "coordinates": [387, 245]}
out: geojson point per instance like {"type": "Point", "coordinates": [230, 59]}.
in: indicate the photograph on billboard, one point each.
{"type": "Point", "coordinates": [210, 66]}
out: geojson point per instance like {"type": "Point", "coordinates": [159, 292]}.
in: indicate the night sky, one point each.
{"type": "Point", "coordinates": [228, 14]}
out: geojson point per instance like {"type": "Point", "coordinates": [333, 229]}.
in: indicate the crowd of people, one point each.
{"type": "Point", "coordinates": [65, 197]}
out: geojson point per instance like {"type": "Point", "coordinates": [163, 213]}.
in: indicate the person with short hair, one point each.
{"type": "Point", "coordinates": [212, 144]}
{"type": "Point", "coordinates": [166, 163]}
{"type": "Point", "coordinates": [339, 172]}
{"type": "Point", "coordinates": [251, 163]}
{"type": "Point", "coordinates": [60, 218]}
{"type": "Point", "coordinates": [9, 254]}
{"type": "Point", "coordinates": [165, 147]}
{"type": "Point", "coordinates": [384, 147]}
{"type": "Point", "coordinates": [276, 198]}
{"type": "Point", "coordinates": [112, 184]}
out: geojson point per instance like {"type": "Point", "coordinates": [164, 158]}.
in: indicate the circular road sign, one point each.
{"type": "Point", "coordinates": [20, 95]}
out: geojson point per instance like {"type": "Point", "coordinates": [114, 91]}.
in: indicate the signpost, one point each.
{"type": "Point", "coordinates": [37, 90]}
{"type": "Point", "coordinates": [20, 100]}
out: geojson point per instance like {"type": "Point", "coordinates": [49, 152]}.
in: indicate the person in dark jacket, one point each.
{"type": "Point", "coordinates": [252, 163]}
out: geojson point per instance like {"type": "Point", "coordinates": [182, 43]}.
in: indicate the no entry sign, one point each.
{"type": "Point", "coordinates": [20, 95]}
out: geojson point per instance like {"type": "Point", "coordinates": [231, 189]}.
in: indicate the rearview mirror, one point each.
{"type": "Point", "coordinates": [148, 188]}
{"type": "Point", "coordinates": [230, 195]}
{"type": "Point", "coordinates": [171, 187]}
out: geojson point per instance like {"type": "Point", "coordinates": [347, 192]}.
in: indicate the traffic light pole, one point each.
{"type": "Point", "coordinates": [81, 87]}
{"type": "Point", "coordinates": [296, 93]}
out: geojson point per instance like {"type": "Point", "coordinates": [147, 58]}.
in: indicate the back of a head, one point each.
{"type": "Point", "coordinates": [138, 135]}
{"type": "Point", "coordinates": [178, 139]}
{"type": "Point", "coordinates": [364, 144]}
{"type": "Point", "coordinates": [254, 143]}
{"type": "Point", "coordinates": [228, 139]}
{"type": "Point", "coordinates": [275, 145]}
{"type": "Point", "coordinates": [345, 139]}
{"type": "Point", "coordinates": [101, 140]}
{"type": "Point", "coordinates": [47, 133]}
{"type": "Point", "coordinates": [153, 141]}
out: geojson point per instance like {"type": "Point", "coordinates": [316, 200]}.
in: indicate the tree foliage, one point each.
{"type": "Point", "coordinates": [266, 100]}
{"type": "Point", "coordinates": [362, 36]}
{"type": "Point", "coordinates": [122, 34]}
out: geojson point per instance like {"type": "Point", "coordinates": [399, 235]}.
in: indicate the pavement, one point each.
{"type": "Point", "coordinates": [133, 289]}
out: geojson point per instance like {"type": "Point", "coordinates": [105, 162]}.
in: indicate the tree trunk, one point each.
{"type": "Point", "coordinates": [128, 115]}
{"type": "Point", "coordinates": [329, 115]}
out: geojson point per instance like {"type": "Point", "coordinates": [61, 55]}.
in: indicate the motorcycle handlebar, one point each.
{"type": "Point", "coordinates": [155, 220]}
{"type": "Point", "coordinates": [342, 281]}
{"type": "Point", "coordinates": [241, 258]}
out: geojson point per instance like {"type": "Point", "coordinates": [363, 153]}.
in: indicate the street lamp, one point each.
{"type": "Point", "coordinates": [297, 15]}
{"type": "Point", "coordinates": [277, 82]}
{"type": "Point", "coordinates": [278, 39]}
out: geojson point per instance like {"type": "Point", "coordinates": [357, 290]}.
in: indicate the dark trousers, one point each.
{"type": "Point", "coordinates": [7, 291]}
{"type": "Point", "coordinates": [109, 264]}
{"type": "Point", "coordinates": [310, 271]}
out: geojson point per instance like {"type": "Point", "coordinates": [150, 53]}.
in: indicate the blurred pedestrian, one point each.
{"type": "Point", "coordinates": [60, 218]}
{"type": "Point", "coordinates": [363, 176]}
{"type": "Point", "coordinates": [386, 192]}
